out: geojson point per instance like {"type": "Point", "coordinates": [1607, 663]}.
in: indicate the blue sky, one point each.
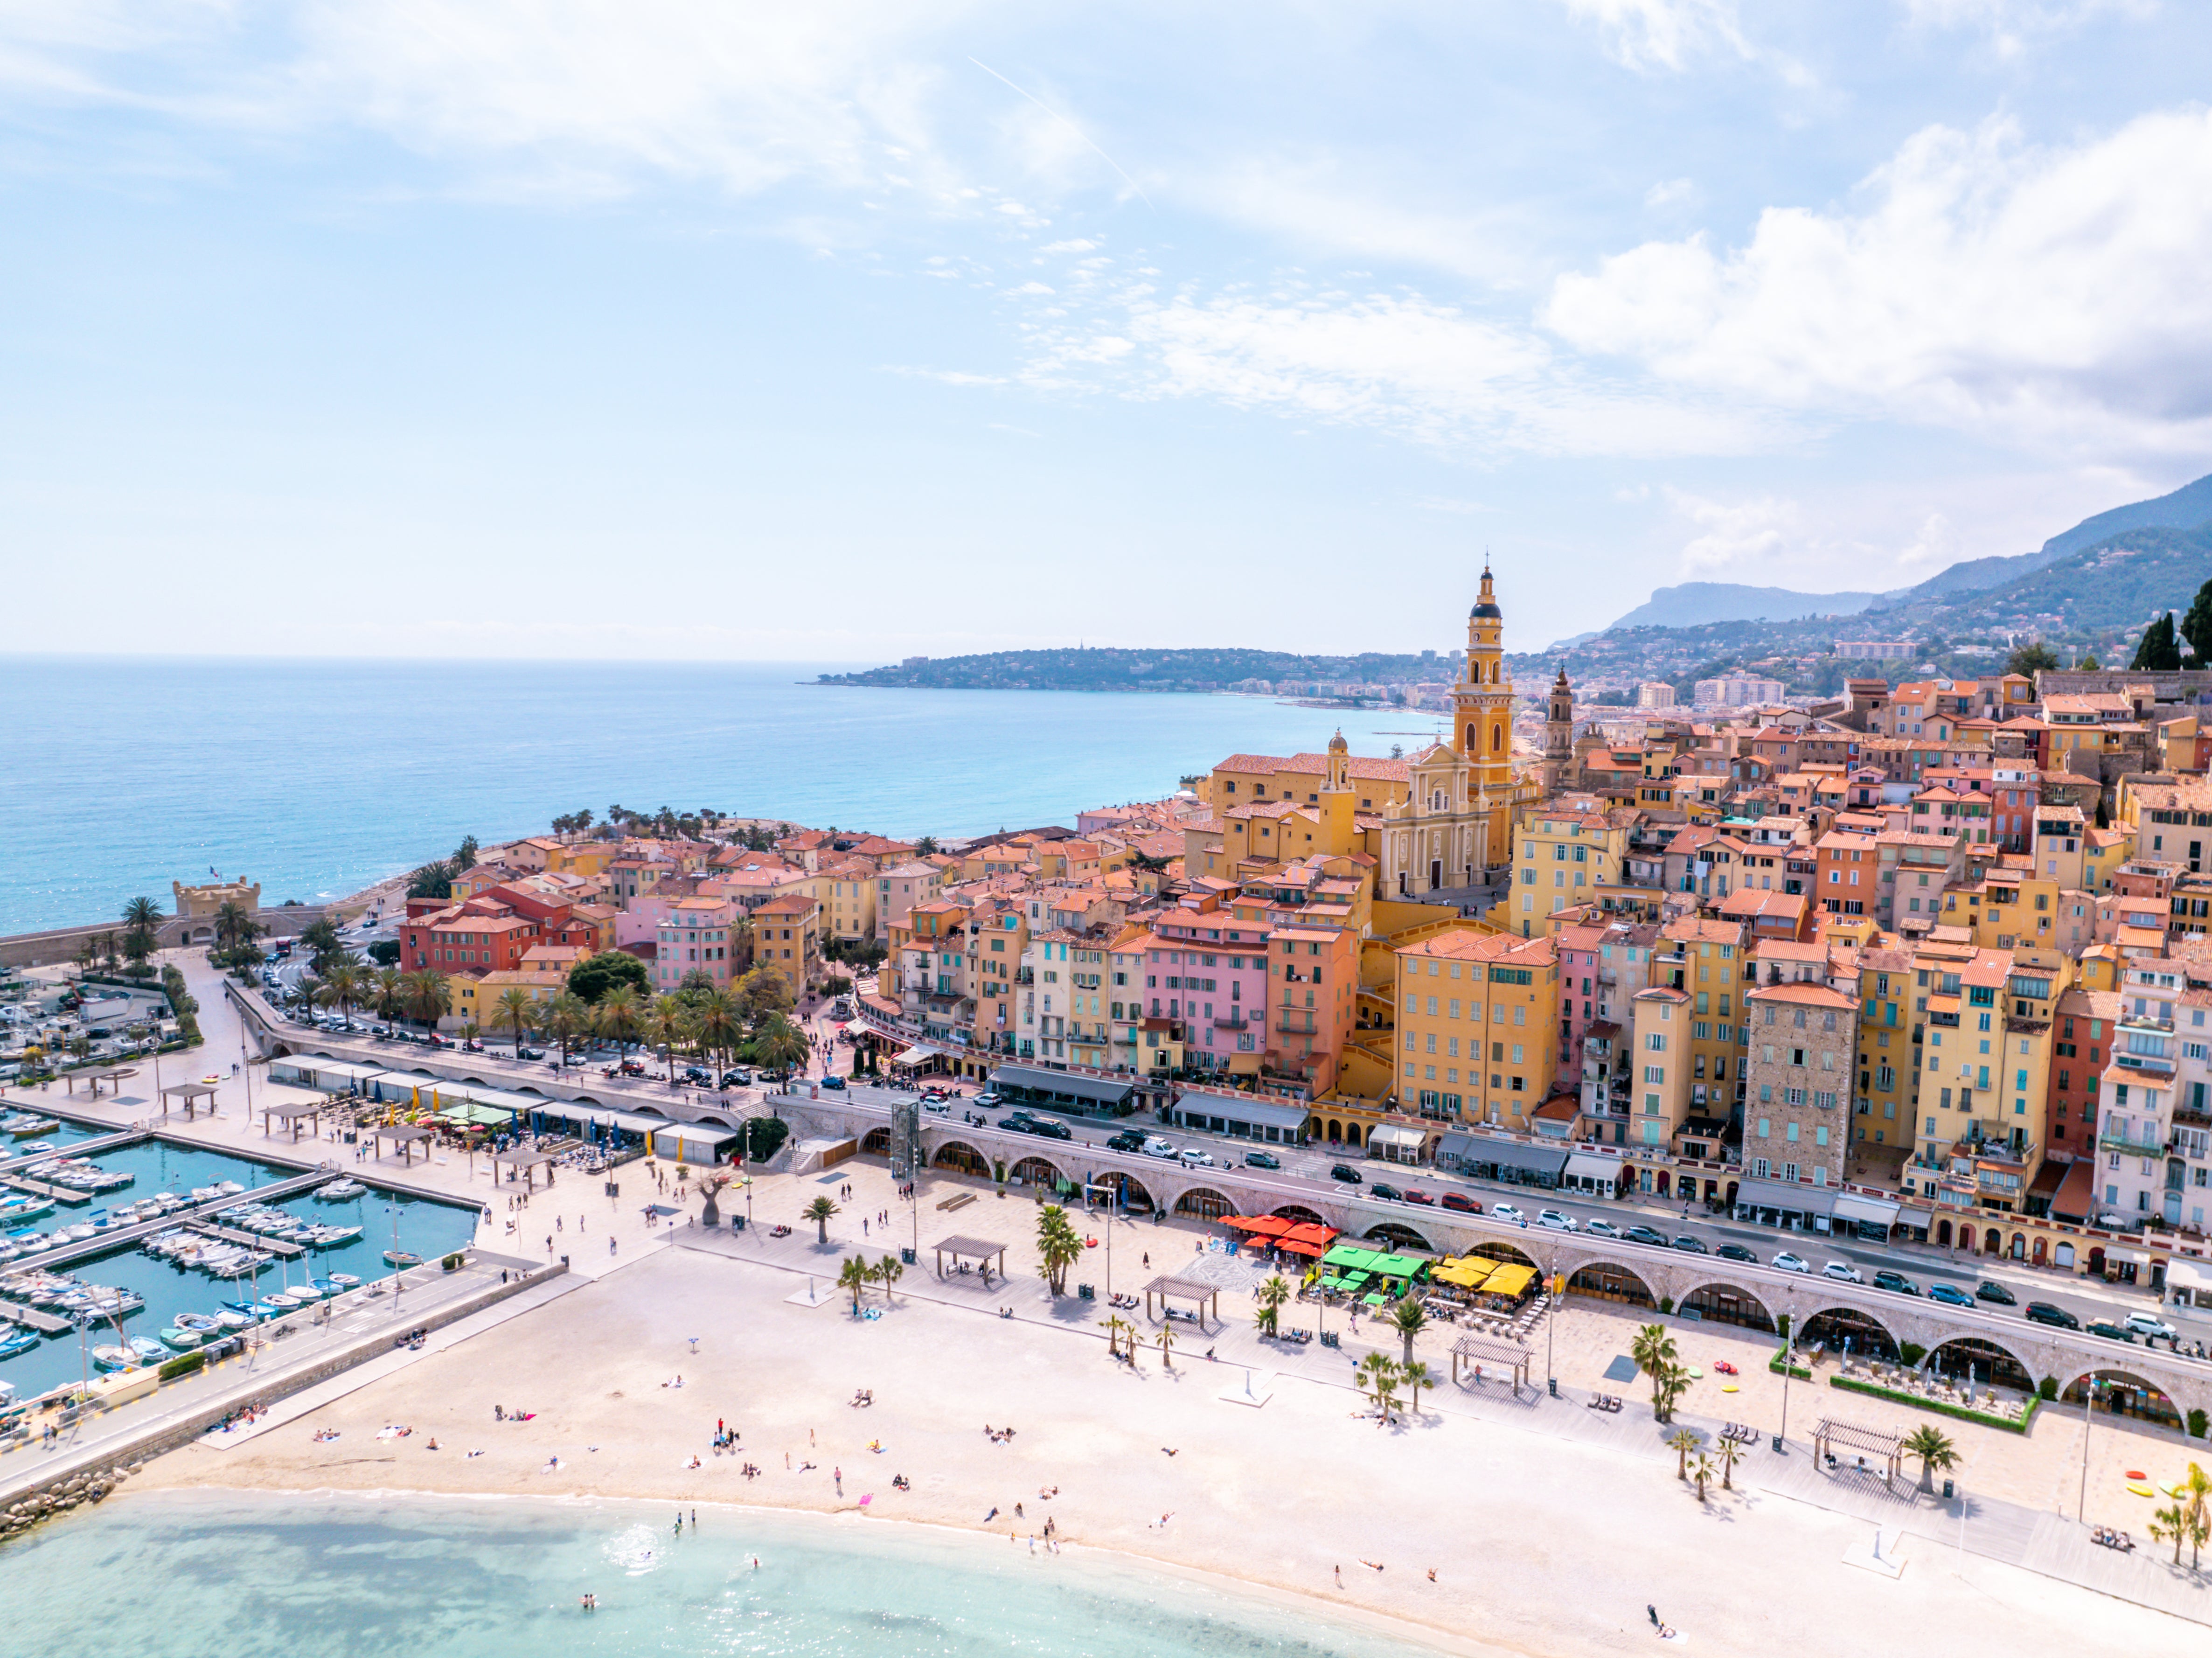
{"type": "Point", "coordinates": [665, 328]}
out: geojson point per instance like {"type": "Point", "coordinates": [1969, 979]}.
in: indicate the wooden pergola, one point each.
{"type": "Point", "coordinates": [528, 1162]}
{"type": "Point", "coordinates": [977, 1249]}
{"type": "Point", "coordinates": [190, 1094]}
{"type": "Point", "coordinates": [293, 1116]}
{"type": "Point", "coordinates": [406, 1135]}
{"type": "Point", "coordinates": [1861, 1441]}
{"type": "Point", "coordinates": [1207, 1295]}
{"type": "Point", "coordinates": [1479, 1350]}
{"type": "Point", "coordinates": [114, 1073]}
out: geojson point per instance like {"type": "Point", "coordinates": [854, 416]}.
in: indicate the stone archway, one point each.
{"type": "Point", "coordinates": [2121, 1393]}
{"type": "Point", "coordinates": [1035, 1171]}
{"type": "Point", "coordinates": [875, 1143]}
{"type": "Point", "coordinates": [1834, 1326]}
{"type": "Point", "coordinates": [1992, 1242]}
{"type": "Point", "coordinates": [1335, 1132]}
{"type": "Point", "coordinates": [1299, 1213]}
{"type": "Point", "coordinates": [1204, 1202]}
{"type": "Point", "coordinates": [1608, 1281]}
{"type": "Point", "coordinates": [1978, 1359]}
{"type": "Point", "coordinates": [1398, 1237]}
{"type": "Point", "coordinates": [1943, 1235]}
{"type": "Point", "coordinates": [1729, 1304]}
{"type": "Point", "coordinates": [1124, 1192]}
{"type": "Point", "coordinates": [1351, 1136]}
{"type": "Point", "coordinates": [957, 1154]}
{"type": "Point", "coordinates": [1491, 1249]}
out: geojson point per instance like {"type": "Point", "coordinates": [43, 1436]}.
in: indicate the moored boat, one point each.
{"type": "Point", "coordinates": [183, 1340]}
{"type": "Point", "coordinates": [112, 1358]}
{"type": "Point", "coordinates": [402, 1258]}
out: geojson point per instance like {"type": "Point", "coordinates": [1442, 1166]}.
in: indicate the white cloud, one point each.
{"type": "Point", "coordinates": [2053, 297]}
{"type": "Point", "coordinates": [1670, 192]}
{"type": "Point", "coordinates": [2009, 26]}
{"type": "Point", "coordinates": [1731, 534]}
{"type": "Point", "coordinates": [1651, 36]}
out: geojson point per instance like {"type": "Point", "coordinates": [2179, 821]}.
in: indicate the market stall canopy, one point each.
{"type": "Point", "coordinates": [1509, 1279]}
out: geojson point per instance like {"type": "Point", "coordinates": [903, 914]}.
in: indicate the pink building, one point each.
{"type": "Point", "coordinates": [694, 936]}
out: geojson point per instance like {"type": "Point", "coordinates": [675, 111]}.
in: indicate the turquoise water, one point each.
{"type": "Point", "coordinates": [324, 1578]}
{"type": "Point", "coordinates": [428, 1228]}
{"type": "Point", "coordinates": [317, 778]}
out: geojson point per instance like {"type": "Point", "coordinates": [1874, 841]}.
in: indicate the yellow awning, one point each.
{"type": "Point", "coordinates": [1467, 1272]}
{"type": "Point", "coordinates": [1509, 1279]}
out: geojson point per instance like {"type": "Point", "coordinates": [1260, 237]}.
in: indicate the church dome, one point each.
{"type": "Point", "coordinates": [1338, 745]}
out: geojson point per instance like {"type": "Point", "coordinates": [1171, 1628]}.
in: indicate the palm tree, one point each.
{"type": "Point", "coordinates": [853, 1275]}
{"type": "Point", "coordinates": [719, 1023]}
{"type": "Point", "coordinates": [1934, 1449]}
{"type": "Point", "coordinates": [141, 920]}
{"type": "Point", "coordinates": [1115, 1327]}
{"type": "Point", "coordinates": [1167, 1346]}
{"type": "Point", "coordinates": [777, 1044]}
{"type": "Point", "coordinates": [619, 1018]}
{"type": "Point", "coordinates": [1377, 1375]}
{"type": "Point", "coordinates": [889, 1271]}
{"type": "Point", "coordinates": [348, 984]}
{"type": "Point", "coordinates": [2196, 1485]}
{"type": "Point", "coordinates": [1730, 1453]}
{"type": "Point", "coordinates": [1702, 1472]}
{"type": "Point", "coordinates": [1272, 1294]}
{"type": "Point", "coordinates": [1653, 1350]}
{"type": "Point", "coordinates": [427, 994]}
{"type": "Point", "coordinates": [819, 1212]}
{"type": "Point", "coordinates": [387, 993]}
{"type": "Point", "coordinates": [1059, 1247]}
{"type": "Point", "coordinates": [1670, 1384]}
{"type": "Point", "coordinates": [1409, 1320]}
{"type": "Point", "coordinates": [566, 1017]}
{"type": "Point", "coordinates": [234, 925]}
{"type": "Point", "coordinates": [2172, 1521]}
{"type": "Point", "coordinates": [1417, 1375]}
{"type": "Point", "coordinates": [515, 1011]}
{"type": "Point", "coordinates": [1682, 1442]}
{"type": "Point", "coordinates": [667, 1024]}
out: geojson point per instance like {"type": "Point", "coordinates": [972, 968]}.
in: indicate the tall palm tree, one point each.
{"type": "Point", "coordinates": [514, 1012]}
{"type": "Point", "coordinates": [2172, 1521]}
{"type": "Point", "coordinates": [566, 1017]}
{"type": "Point", "coordinates": [1059, 1247]}
{"type": "Point", "coordinates": [427, 995]}
{"type": "Point", "coordinates": [1409, 1320]}
{"type": "Point", "coordinates": [1731, 1453]}
{"type": "Point", "coordinates": [1116, 1327]}
{"type": "Point", "coordinates": [387, 993]}
{"type": "Point", "coordinates": [853, 1275]}
{"type": "Point", "coordinates": [819, 1211]}
{"type": "Point", "coordinates": [1934, 1449]}
{"type": "Point", "coordinates": [889, 1271]}
{"type": "Point", "coordinates": [1653, 1350]}
{"type": "Point", "coordinates": [1702, 1472]}
{"type": "Point", "coordinates": [719, 1024]}
{"type": "Point", "coordinates": [2196, 1487]}
{"type": "Point", "coordinates": [620, 1018]}
{"type": "Point", "coordinates": [1417, 1375]}
{"type": "Point", "coordinates": [668, 1026]}
{"type": "Point", "coordinates": [142, 920]}
{"type": "Point", "coordinates": [1167, 1346]}
{"type": "Point", "coordinates": [1682, 1442]}
{"type": "Point", "coordinates": [778, 1045]}
{"type": "Point", "coordinates": [348, 982]}
{"type": "Point", "coordinates": [1272, 1294]}
{"type": "Point", "coordinates": [1377, 1376]}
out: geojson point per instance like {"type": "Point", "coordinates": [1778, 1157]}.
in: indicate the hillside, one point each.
{"type": "Point", "coordinates": [1694, 603]}
{"type": "Point", "coordinates": [1111, 669]}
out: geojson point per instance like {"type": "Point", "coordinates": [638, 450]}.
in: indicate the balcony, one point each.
{"type": "Point", "coordinates": [1233, 1022]}
{"type": "Point", "coordinates": [1299, 1024]}
{"type": "Point", "coordinates": [2128, 1146]}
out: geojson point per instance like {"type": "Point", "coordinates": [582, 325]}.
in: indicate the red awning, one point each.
{"type": "Point", "coordinates": [1308, 1233]}
{"type": "Point", "coordinates": [1301, 1246]}
{"type": "Point", "coordinates": [1258, 1225]}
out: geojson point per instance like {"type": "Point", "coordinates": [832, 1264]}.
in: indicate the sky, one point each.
{"type": "Point", "coordinates": [849, 330]}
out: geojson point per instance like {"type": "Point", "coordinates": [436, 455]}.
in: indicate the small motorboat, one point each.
{"type": "Point", "coordinates": [342, 1190]}
{"type": "Point", "coordinates": [328, 1286]}
{"type": "Point", "coordinates": [199, 1324]}
{"type": "Point", "coordinates": [112, 1358]}
{"type": "Point", "coordinates": [402, 1258]}
{"type": "Point", "coordinates": [267, 1308]}
{"type": "Point", "coordinates": [17, 1341]}
{"type": "Point", "coordinates": [149, 1352]}
{"type": "Point", "coordinates": [182, 1341]}
{"type": "Point", "coordinates": [345, 1280]}
{"type": "Point", "coordinates": [229, 1320]}
{"type": "Point", "coordinates": [282, 1301]}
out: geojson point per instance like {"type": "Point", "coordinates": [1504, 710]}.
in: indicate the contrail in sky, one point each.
{"type": "Point", "coordinates": [1071, 126]}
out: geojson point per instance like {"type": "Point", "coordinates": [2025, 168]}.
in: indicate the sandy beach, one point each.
{"type": "Point", "coordinates": [1539, 1546]}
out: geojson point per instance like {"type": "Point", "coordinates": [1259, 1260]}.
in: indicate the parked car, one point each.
{"type": "Point", "coordinates": [1601, 1229]}
{"type": "Point", "coordinates": [1461, 1202]}
{"type": "Point", "coordinates": [2111, 1332]}
{"type": "Point", "coordinates": [1988, 1289]}
{"type": "Point", "coordinates": [1693, 1246]}
{"type": "Point", "coordinates": [988, 1099]}
{"type": "Point", "coordinates": [529, 1052]}
{"type": "Point", "coordinates": [1127, 1140]}
{"type": "Point", "coordinates": [835, 1083]}
{"type": "Point", "coordinates": [1051, 1128]}
{"type": "Point", "coordinates": [1950, 1295]}
{"type": "Point", "coordinates": [1644, 1235]}
{"type": "Point", "coordinates": [2143, 1324]}
{"type": "Point", "coordinates": [1843, 1272]}
{"type": "Point", "coordinates": [698, 1076]}
{"type": "Point", "coordinates": [1414, 1195]}
{"type": "Point", "coordinates": [1252, 1159]}
{"type": "Point", "coordinates": [1345, 1173]}
{"type": "Point", "coordinates": [1555, 1220]}
{"type": "Point", "coordinates": [1195, 1157]}
{"type": "Point", "coordinates": [2042, 1312]}
{"type": "Point", "coordinates": [1896, 1282]}
{"type": "Point", "coordinates": [1507, 1212]}
{"type": "Point", "coordinates": [737, 1077]}
{"type": "Point", "coordinates": [1388, 1193]}
{"type": "Point", "coordinates": [938, 1107]}
{"type": "Point", "coordinates": [1790, 1263]}
{"type": "Point", "coordinates": [1735, 1252]}
{"type": "Point", "coordinates": [1019, 1121]}
{"type": "Point", "coordinates": [1154, 1146]}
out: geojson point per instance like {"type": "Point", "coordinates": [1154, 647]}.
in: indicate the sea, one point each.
{"type": "Point", "coordinates": [253, 1576]}
{"type": "Point", "coordinates": [118, 775]}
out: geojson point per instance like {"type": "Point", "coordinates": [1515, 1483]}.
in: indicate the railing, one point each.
{"type": "Point", "coordinates": [2132, 1148]}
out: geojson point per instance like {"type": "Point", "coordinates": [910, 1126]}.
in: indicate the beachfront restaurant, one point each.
{"type": "Point", "coordinates": [1515, 1163]}
{"type": "Point", "coordinates": [1063, 1091]}
{"type": "Point", "coordinates": [616, 1131]}
{"type": "Point", "coordinates": [331, 1076]}
{"type": "Point", "coordinates": [1240, 1116]}
{"type": "Point", "coordinates": [694, 1142]}
{"type": "Point", "coordinates": [1376, 1276]}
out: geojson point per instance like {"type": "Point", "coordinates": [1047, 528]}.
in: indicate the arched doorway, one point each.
{"type": "Point", "coordinates": [1351, 1135]}
{"type": "Point", "coordinates": [2122, 1394]}
{"type": "Point", "coordinates": [2019, 1246]}
{"type": "Point", "coordinates": [1335, 1132]}
{"type": "Point", "coordinates": [1035, 1171]}
{"type": "Point", "coordinates": [875, 1143]}
{"type": "Point", "coordinates": [1725, 1303]}
{"type": "Point", "coordinates": [1993, 1242]}
{"type": "Point", "coordinates": [1304, 1217]}
{"type": "Point", "coordinates": [1398, 1237]}
{"type": "Point", "coordinates": [1204, 1202]}
{"type": "Point", "coordinates": [1659, 1184]}
{"type": "Point", "coordinates": [1942, 1234]}
{"type": "Point", "coordinates": [965, 1159]}
{"type": "Point", "coordinates": [1976, 1358]}
{"type": "Point", "coordinates": [1494, 1251]}
{"type": "Point", "coordinates": [1845, 1329]}
{"type": "Point", "coordinates": [1604, 1281]}
{"type": "Point", "coordinates": [1125, 1194]}
{"type": "Point", "coordinates": [2037, 1255]}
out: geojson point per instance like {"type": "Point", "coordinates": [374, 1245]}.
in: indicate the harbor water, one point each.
{"type": "Point", "coordinates": [321, 1577]}
{"type": "Point", "coordinates": [425, 1227]}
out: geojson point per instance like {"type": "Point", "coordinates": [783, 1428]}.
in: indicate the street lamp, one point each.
{"type": "Point", "coordinates": [2089, 1386]}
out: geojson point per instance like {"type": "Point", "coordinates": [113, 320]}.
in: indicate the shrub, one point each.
{"type": "Point", "coordinates": [452, 1263]}
{"type": "Point", "coordinates": [764, 1136]}
{"type": "Point", "coordinates": [1912, 1352]}
{"type": "Point", "coordinates": [2047, 1388]}
{"type": "Point", "coordinates": [182, 1364]}
{"type": "Point", "coordinates": [1852, 1384]}
{"type": "Point", "coordinates": [1782, 1327]}
{"type": "Point", "coordinates": [1775, 1365]}
{"type": "Point", "coordinates": [2197, 1424]}
{"type": "Point", "coordinates": [1666, 1303]}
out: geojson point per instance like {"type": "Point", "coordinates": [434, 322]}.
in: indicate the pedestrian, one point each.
{"type": "Point", "coordinates": [611, 1245]}
{"type": "Point", "coordinates": [838, 1474]}
{"type": "Point", "coordinates": [1653, 1612]}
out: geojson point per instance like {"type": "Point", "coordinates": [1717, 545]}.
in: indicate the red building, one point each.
{"type": "Point", "coordinates": [2081, 1045]}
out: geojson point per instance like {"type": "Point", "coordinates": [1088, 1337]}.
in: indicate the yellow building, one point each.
{"type": "Point", "coordinates": [1660, 1078]}
{"type": "Point", "coordinates": [1478, 1026]}
{"type": "Point", "coordinates": [847, 894]}
{"type": "Point", "coordinates": [1709, 961]}
{"type": "Point", "coordinates": [2006, 908]}
{"type": "Point", "coordinates": [1561, 856]}
{"type": "Point", "coordinates": [476, 1001]}
{"type": "Point", "coordinates": [1888, 1079]}
{"type": "Point", "coordinates": [1979, 1115]}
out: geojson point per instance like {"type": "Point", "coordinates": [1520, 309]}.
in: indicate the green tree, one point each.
{"type": "Point", "coordinates": [926, 847]}
{"type": "Point", "coordinates": [514, 1012]}
{"type": "Point", "coordinates": [2031, 658]}
{"type": "Point", "coordinates": [1377, 1377]}
{"type": "Point", "coordinates": [1417, 1375]}
{"type": "Point", "coordinates": [853, 1275]}
{"type": "Point", "coordinates": [778, 1044]}
{"type": "Point", "coordinates": [2158, 650]}
{"type": "Point", "coordinates": [668, 1026]}
{"type": "Point", "coordinates": [2197, 625]}
{"type": "Point", "coordinates": [387, 993]}
{"type": "Point", "coordinates": [819, 1211]}
{"type": "Point", "coordinates": [2171, 1521]}
{"type": "Point", "coordinates": [718, 1024]}
{"type": "Point", "coordinates": [348, 983]}
{"type": "Point", "coordinates": [2196, 1487]}
{"type": "Point", "coordinates": [464, 858]}
{"type": "Point", "coordinates": [1409, 1320]}
{"type": "Point", "coordinates": [567, 1017]}
{"type": "Point", "coordinates": [1671, 1383]}
{"type": "Point", "coordinates": [427, 995]}
{"type": "Point", "coordinates": [1059, 1247]}
{"type": "Point", "coordinates": [1730, 1453]}
{"type": "Point", "coordinates": [1653, 1350]}
{"type": "Point", "coordinates": [323, 942]}
{"type": "Point", "coordinates": [142, 922]}
{"type": "Point", "coordinates": [1934, 1447]}
{"type": "Point", "coordinates": [1167, 1346]}
{"type": "Point", "coordinates": [431, 880]}
{"type": "Point", "coordinates": [1702, 1472]}
{"type": "Point", "coordinates": [889, 1271]}
{"type": "Point", "coordinates": [1682, 1442]}
{"type": "Point", "coordinates": [1273, 1291]}
{"type": "Point", "coordinates": [2088, 662]}
{"type": "Point", "coordinates": [1116, 1327]}
{"type": "Point", "coordinates": [620, 1018]}
{"type": "Point", "coordinates": [763, 992]}
{"type": "Point", "coordinates": [592, 977]}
